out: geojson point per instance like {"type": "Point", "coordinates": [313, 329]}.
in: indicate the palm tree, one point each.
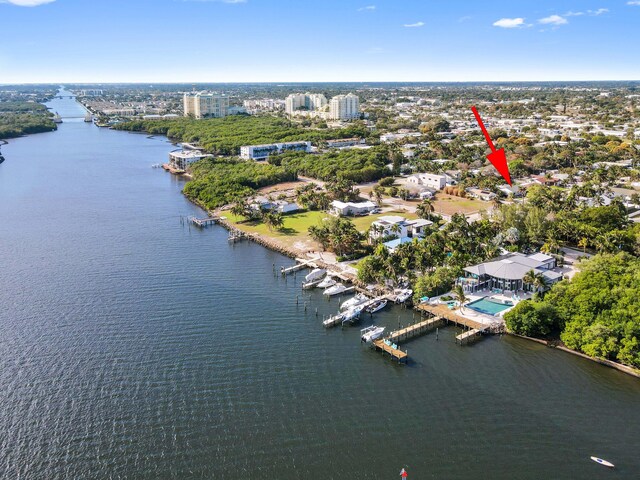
{"type": "Point", "coordinates": [425, 208]}
{"type": "Point", "coordinates": [458, 291]}
{"type": "Point", "coordinates": [582, 243]}
{"type": "Point", "coordinates": [529, 278]}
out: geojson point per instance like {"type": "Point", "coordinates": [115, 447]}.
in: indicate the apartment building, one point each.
{"type": "Point", "coordinates": [205, 105]}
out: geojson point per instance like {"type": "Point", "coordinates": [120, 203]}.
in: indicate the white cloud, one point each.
{"type": "Point", "coordinates": [465, 18]}
{"type": "Point", "coordinates": [414, 25]}
{"type": "Point", "coordinates": [635, 3]}
{"type": "Point", "coordinates": [593, 13]}
{"type": "Point", "coordinates": [553, 20]}
{"type": "Point", "coordinates": [27, 3]}
{"type": "Point", "coordinates": [368, 8]}
{"type": "Point", "coordinates": [509, 23]}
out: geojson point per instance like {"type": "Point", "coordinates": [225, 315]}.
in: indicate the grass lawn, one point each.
{"type": "Point", "coordinates": [295, 228]}
{"type": "Point", "coordinates": [296, 225]}
{"type": "Point", "coordinates": [449, 204]}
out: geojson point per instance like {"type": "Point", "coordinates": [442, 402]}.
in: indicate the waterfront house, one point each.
{"type": "Point", "coordinates": [399, 227]}
{"type": "Point", "coordinates": [507, 273]}
{"type": "Point", "coordinates": [351, 208]}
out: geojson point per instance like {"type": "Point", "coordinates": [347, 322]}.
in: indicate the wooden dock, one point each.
{"type": "Point", "coordinates": [203, 222]}
{"type": "Point", "coordinates": [470, 335]}
{"type": "Point", "coordinates": [300, 264]}
{"type": "Point", "coordinates": [415, 330]}
{"type": "Point", "coordinates": [394, 353]}
{"type": "Point", "coordinates": [475, 329]}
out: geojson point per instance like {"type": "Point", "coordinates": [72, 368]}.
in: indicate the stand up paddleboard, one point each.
{"type": "Point", "coordinates": [602, 462]}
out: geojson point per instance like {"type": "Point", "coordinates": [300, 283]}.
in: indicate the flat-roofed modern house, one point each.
{"type": "Point", "coordinates": [351, 208]}
{"type": "Point", "coordinates": [508, 272]}
{"type": "Point", "coordinates": [398, 227]}
{"type": "Point", "coordinates": [431, 180]}
{"type": "Point", "coordinates": [261, 152]}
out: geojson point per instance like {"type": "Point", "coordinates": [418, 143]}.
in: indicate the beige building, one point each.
{"type": "Point", "coordinates": [344, 107]}
{"type": "Point", "coordinates": [304, 102]}
{"type": "Point", "coordinates": [205, 105]}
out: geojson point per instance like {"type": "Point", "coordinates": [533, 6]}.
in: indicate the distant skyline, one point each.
{"type": "Point", "coordinates": [217, 41]}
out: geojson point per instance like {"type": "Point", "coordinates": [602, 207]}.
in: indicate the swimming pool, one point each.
{"type": "Point", "coordinates": [487, 306]}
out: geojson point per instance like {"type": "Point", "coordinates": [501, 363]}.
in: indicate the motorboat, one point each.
{"type": "Point", "coordinates": [403, 295]}
{"type": "Point", "coordinates": [352, 314]}
{"type": "Point", "coordinates": [359, 299]}
{"type": "Point", "coordinates": [377, 306]}
{"type": "Point", "coordinates": [369, 334]}
{"type": "Point", "coordinates": [336, 289]}
{"type": "Point", "coordinates": [88, 118]}
{"type": "Point", "coordinates": [326, 282]}
{"type": "Point", "coordinates": [311, 284]}
{"type": "Point", "coordinates": [315, 274]}
{"type": "Point", "coordinates": [57, 118]}
{"type": "Point", "coordinates": [603, 462]}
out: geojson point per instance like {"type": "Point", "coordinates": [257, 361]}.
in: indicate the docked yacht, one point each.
{"type": "Point", "coordinates": [351, 315]}
{"type": "Point", "coordinates": [315, 274]}
{"type": "Point", "coordinates": [326, 282]}
{"type": "Point", "coordinates": [359, 299]}
{"type": "Point", "coordinates": [403, 295]}
{"type": "Point", "coordinates": [337, 289]}
{"type": "Point", "coordinates": [57, 118]}
{"type": "Point", "coordinates": [88, 118]}
{"type": "Point", "coordinates": [371, 333]}
{"type": "Point", "coordinates": [377, 306]}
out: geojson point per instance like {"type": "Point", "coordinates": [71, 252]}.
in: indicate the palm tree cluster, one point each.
{"type": "Point", "coordinates": [457, 245]}
{"type": "Point", "coordinates": [338, 235]}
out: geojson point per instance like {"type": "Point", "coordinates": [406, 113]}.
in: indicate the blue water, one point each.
{"type": "Point", "coordinates": [135, 347]}
{"type": "Point", "coordinates": [487, 306]}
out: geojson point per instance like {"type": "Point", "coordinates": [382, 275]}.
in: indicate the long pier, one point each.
{"type": "Point", "coordinates": [415, 330]}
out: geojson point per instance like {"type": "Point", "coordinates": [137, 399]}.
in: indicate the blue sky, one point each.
{"type": "Point", "coordinates": [324, 40]}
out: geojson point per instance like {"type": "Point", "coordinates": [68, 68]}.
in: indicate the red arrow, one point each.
{"type": "Point", "coordinates": [496, 157]}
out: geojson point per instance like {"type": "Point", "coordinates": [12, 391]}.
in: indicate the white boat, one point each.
{"type": "Point", "coordinates": [57, 118]}
{"type": "Point", "coordinates": [377, 306]}
{"type": "Point", "coordinates": [312, 284]}
{"type": "Point", "coordinates": [327, 282]}
{"type": "Point", "coordinates": [603, 462]}
{"type": "Point", "coordinates": [315, 274]}
{"type": "Point", "coordinates": [371, 333]}
{"type": "Point", "coordinates": [352, 314]}
{"type": "Point", "coordinates": [337, 289]}
{"type": "Point", "coordinates": [88, 118]}
{"type": "Point", "coordinates": [359, 299]}
{"type": "Point", "coordinates": [403, 295]}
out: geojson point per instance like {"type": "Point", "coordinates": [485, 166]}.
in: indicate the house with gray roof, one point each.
{"type": "Point", "coordinates": [507, 273]}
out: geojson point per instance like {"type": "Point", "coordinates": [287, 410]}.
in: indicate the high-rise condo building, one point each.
{"type": "Point", "coordinates": [344, 107]}
{"type": "Point", "coordinates": [205, 105]}
{"type": "Point", "coordinates": [309, 102]}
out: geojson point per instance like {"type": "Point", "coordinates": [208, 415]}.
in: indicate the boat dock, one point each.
{"type": "Point", "coordinates": [475, 329]}
{"type": "Point", "coordinates": [394, 353]}
{"type": "Point", "coordinates": [300, 264]}
{"type": "Point", "coordinates": [203, 222]}
{"type": "Point", "coordinates": [415, 330]}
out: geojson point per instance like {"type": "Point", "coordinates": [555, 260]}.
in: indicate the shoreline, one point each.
{"type": "Point", "coordinates": [291, 253]}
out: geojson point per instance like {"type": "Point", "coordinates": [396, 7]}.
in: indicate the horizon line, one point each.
{"type": "Point", "coordinates": [138, 82]}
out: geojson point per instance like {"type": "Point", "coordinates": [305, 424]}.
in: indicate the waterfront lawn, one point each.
{"type": "Point", "coordinates": [296, 225]}
{"type": "Point", "coordinates": [295, 228]}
